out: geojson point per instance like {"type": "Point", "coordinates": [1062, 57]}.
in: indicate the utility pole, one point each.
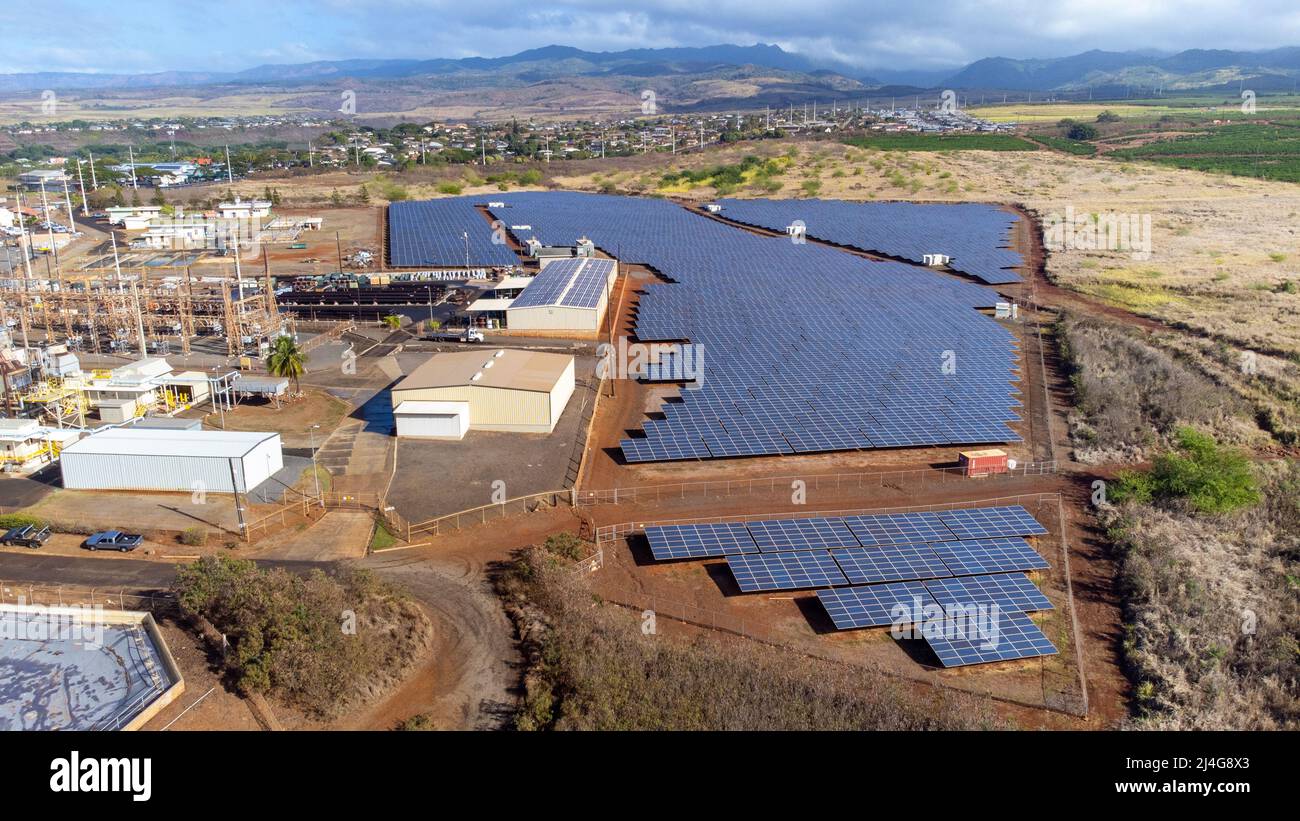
{"type": "Point", "coordinates": [130, 153]}
{"type": "Point", "coordinates": [230, 175]}
{"type": "Point", "coordinates": [338, 244]}
{"type": "Point", "coordinates": [139, 318]}
{"type": "Point", "coordinates": [67, 200]}
{"type": "Point", "coordinates": [81, 180]}
{"type": "Point", "coordinates": [94, 183]}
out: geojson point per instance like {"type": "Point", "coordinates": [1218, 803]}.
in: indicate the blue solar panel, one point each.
{"type": "Point", "coordinates": [991, 522]}
{"type": "Point", "coordinates": [791, 570]}
{"type": "Point", "coordinates": [433, 233]}
{"type": "Point", "coordinates": [974, 235]}
{"type": "Point", "coordinates": [698, 541]}
{"type": "Point", "coordinates": [979, 556]}
{"type": "Point", "coordinates": [922, 367]}
{"type": "Point", "coordinates": [962, 642]}
{"type": "Point", "coordinates": [898, 528]}
{"type": "Point", "coordinates": [887, 563]}
{"type": "Point", "coordinates": [1009, 591]}
{"type": "Point", "coordinates": [800, 534]}
{"type": "Point", "coordinates": [877, 605]}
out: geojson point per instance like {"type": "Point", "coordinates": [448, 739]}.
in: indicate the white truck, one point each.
{"type": "Point", "coordinates": [466, 335]}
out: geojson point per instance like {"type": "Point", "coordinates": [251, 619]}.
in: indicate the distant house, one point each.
{"type": "Point", "coordinates": [244, 209]}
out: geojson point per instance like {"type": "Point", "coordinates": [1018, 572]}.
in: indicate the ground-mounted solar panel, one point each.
{"type": "Point", "coordinates": [979, 556]}
{"type": "Point", "coordinates": [695, 541]}
{"type": "Point", "coordinates": [837, 377]}
{"type": "Point", "coordinates": [898, 528]}
{"type": "Point", "coordinates": [1009, 591]}
{"type": "Point", "coordinates": [888, 563]}
{"type": "Point", "coordinates": [991, 522]}
{"type": "Point", "coordinates": [444, 232]}
{"type": "Point", "coordinates": [790, 570]}
{"type": "Point", "coordinates": [959, 642]}
{"type": "Point", "coordinates": [876, 605]}
{"type": "Point", "coordinates": [800, 534]}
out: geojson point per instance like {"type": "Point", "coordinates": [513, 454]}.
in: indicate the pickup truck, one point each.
{"type": "Point", "coordinates": [26, 536]}
{"type": "Point", "coordinates": [469, 335]}
{"type": "Point", "coordinates": [113, 540]}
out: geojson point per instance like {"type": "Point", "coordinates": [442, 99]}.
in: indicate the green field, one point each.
{"type": "Point", "coordinates": [941, 142]}
{"type": "Point", "coordinates": [1270, 152]}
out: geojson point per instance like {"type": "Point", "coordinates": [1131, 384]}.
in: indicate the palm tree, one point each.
{"type": "Point", "coordinates": [393, 322]}
{"type": "Point", "coordinates": [287, 360]}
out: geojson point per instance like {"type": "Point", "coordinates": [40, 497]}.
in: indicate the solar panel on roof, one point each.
{"type": "Point", "coordinates": [800, 534]}
{"type": "Point", "coordinates": [698, 540]}
{"type": "Point", "coordinates": [959, 642]}
{"type": "Point", "coordinates": [877, 605]}
{"type": "Point", "coordinates": [978, 556]}
{"type": "Point", "coordinates": [887, 563]}
{"type": "Point", "coordinates": [991, 522]}
{"type": "Point", "coordinates": [790, 570]}
{"type": "Point", "coordinates": [1009, 591]}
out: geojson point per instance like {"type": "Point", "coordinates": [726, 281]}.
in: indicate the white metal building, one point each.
{"type": "Point", "coordinates": [504, 390]}
{"type": "Point", "coordinates": [171, 460]}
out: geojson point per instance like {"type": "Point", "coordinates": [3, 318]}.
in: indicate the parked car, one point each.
{"type": "Point", "coordinates": [113, 540]}
{"type": "Point", "coordinates": [26, 536]}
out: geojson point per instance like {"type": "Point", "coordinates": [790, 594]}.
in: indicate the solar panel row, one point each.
{"type": "Point", "coordinates": [946, 531]}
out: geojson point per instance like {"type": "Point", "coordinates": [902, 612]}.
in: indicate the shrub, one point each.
{"type": "Point", "coordinates": [566, 545]}
{"type": "Point", "coordinates": [315, 641]}
{"type": "Point", "coordinates": [1209, 478]}
{"type": "Point", "coordinates": [194, 536]}
{"type": "Point", "coordinates": [449, 188]}
{"type": "Point", "coordinates": [12, 520]}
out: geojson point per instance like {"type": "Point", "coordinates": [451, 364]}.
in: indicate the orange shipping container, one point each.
{"type": "Point", "coordinates": [983, 462]}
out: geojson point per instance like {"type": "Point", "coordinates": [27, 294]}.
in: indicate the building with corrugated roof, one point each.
{"type": "Point", "coordinates": [504, 390]}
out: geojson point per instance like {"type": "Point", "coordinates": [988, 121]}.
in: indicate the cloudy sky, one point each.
{"type": "Point", "coordinates": [137, 36]}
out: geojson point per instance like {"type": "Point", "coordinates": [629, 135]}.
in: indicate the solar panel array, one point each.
{"type": "Point", "coordinates": [975, 236]}
{"type": "Point", "coordinates": [432, 233]}
{"type": "Point", "coordinates": [880, 605]}
{"type": "Point", "coordinates": [1009, 591]}
{"type": "Point", "coordinates": [791, 570]}
{"type": "Point", "coordinates": [809, 349]}
{"type": "Point", "coordinates": [698, 541]}
{"type": "Point", "coordinates": [958, 642]}
{"type": "Point", "coordinates": [926, 530]}
{"type": "Point", "coordinates": [940, 585]}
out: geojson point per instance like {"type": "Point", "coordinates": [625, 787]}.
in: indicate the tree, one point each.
{"type": "Point", "coordinates": [392, 322]}
{"type": "Point", "coordinates": [159, 198]}
{"type": "Point", "coordinates": [433, 325]}
{"type": "Point", "coordinates": [336, 199]}
{"type": "Point", "coordinates": [286, 360]}
{"type": "Point", "coordinates": [1081, 132]}
{"type": "Point", "coordinates": [1108, 116]}
{"type": "Point", "coordinates": [363, 195]}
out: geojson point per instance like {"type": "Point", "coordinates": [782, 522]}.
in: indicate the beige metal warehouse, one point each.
{"type": "Point", "coordinates": [504, 390]}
